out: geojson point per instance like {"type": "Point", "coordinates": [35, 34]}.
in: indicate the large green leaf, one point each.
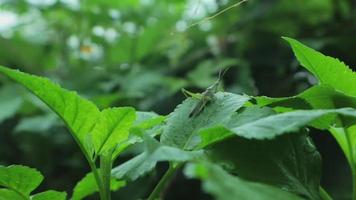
{"type": "Point", "coordinates": [225, 186]}
{"type": "Point", "coordinates": [20, 178]}
{"type": "Point", "coordinates": [327, 70]}
{"type": "Point", "coordinates": [6, 194]}
{"type": "Point", "coordinates": [88, 186]}
{"type": "Point", "coordinates": [49, 195]}
{"type": "Point", "coordinates": [322, 97]}
{"type": "Point", "coordinates": [180, 130]}
{"type": "Point", "coordinates": [271, 126]}
{"type": "Point", "coordinates": [20, 181]}
{"type": "Point", "coordinates": [146, 161]}
{"type": "Point", "coordinates": [290, 162]}
{"type": "Point", "coordinates": [112, 128]}
{"type": "Point", "coordinates": [78, 113]}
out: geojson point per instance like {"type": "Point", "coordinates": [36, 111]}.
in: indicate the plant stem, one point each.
{"type": "Point", "coordinates": [105, 171]}
{"type": "Point", "coordinates": [163, 182]}
{"type": "Point", "coordinates": [352, 164]}
{"type": "Point", "coordinates": [324, 195]}
{"type": "Point", "coordinates": [97, 179]}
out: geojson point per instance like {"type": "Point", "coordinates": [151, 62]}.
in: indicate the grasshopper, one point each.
{"type": "Point", "coordinates": [206, 96]}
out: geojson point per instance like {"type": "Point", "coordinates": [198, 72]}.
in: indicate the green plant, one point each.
{"type": "Point", "coordinates": [239, 146]}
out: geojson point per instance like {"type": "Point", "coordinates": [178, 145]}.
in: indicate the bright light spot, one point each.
{"type": "Point", "coordinates": [181, 26]}
{"type": "Point", "coordinates": [7, 20]}
{"type": "Point", "coordinates": [74, 4]}
{"type": "Point", "coordinates": [146, 2]}
{"type": "Point", "coordinates": [98, 31]}
{"type": "Point", "coordinates": [129, 27]}
{"type": "Point", "coordinates": [73, 42]}
{"type": "Point", "coordinates": [205, 26]}
{"type": "Point", "coordinates": [115, 14]}
{"type": "Point", "coordinates": [42, 2]}
{"type": "Point", "coordinates": [111, 35]}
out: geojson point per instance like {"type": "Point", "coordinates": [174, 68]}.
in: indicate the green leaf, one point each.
{"type": "Point", "coordinates": [180, 130]}
{"type": "Point", "coordinates": [20, 178]}
{"type": "Point", "coordinates": [271, 126]}
{"type": "Point", "coordinates": [225, 186]}
{"type": "Point", "coordinates": [6, 194]}
{"type": "Point", "coordinates": [146, 161]}
{"type": "Point", "coordinates": [78, 113]}
{"type": "Point", "coordinates": [328, 70]}
{"type": "Point", "coordinates": [322, 97]}
{"type": "Point", "coordinates": [112, 128]}
{"type": "Point", "coordinates": [290, 162]}
{"type": "Point", "coordinates": [88, 186]}
{"type": "Point", "coordinates": [249, 115]}
{"type": "Point", "coordinates": [49, 195]}
{"type": "Point", "coordinates": [146, 124]}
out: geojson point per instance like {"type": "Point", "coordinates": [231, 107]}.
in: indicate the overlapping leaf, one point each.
{"type": "Point", "coordinates": [88, 186]}
{"type": "Point", "coordinates": [290, 162]}
{"type": "Point", "coordinates": [224, 186]}
{"type": "Point", "coordinates": [180, 130]}
{"type": "Point", "coordinates": [271, 126]}
{"type": "Point", "coordinates": [146, 161]}
{"type": "Point", "coordinates": [112, 128]}
{"type": "Point", "coordinates": [78, 113]}
{"type": "Point", "coordinates": [19, 181]}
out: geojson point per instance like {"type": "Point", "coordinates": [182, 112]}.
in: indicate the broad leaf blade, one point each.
{"type": "Point", "coordinates": [6, 194]}
{"type": "Point", "coordinates": [224, 186]}
{"type": "Point", "coordinates": [328, 70]}
{"type": "Point", "coordinates": [180, 130]}
{"type": "Point", "coordinates": [112, 128]}
{"type": "Point", "coordinates": [88, 186]}
{"type": "Point", "coordinates": [49, 195]}
{"type": "Point", "coordinates": [78, 113]}
{"type": "Point", "coordinates": [20, 178]}
{"type": "Point", "coordinates": [272, 126]}
{"type": "Point", "coordinates": [290, 162]}
{"type": "Point", "coordinates": [146, 161]}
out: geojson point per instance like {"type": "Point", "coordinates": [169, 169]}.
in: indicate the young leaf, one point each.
{"type": "Point", "coordinates": [146, 161]}
{"type": "Point", "coordinates": [88, 186]}
{"type": "Point", "coordinates": [6, 194]}
{"type": "Point", "coordinates": [249, 115]}
{"type": "Point", "coordinates": [271, 126]}
{"type": "Point", "coordinates": [146, 124]}
{"type": "Point", "coordinates": [79, 114]}
{"type": "Point", "coordinates": [322, 97]}
{"type": "Point", "coordinates": [20, 181]}
{"type": "Point", "coordinates": [49, 195]}
{"type": "Point", "coordinates": [20, 178]}
{"type": "Point", "coordinates": [112, 128]}
{"type": "Point", "coordinates": [225, 186]}
{"type": "Point", "coordinates": [290, 162]}
{"type": "Point", "coordinates": [180, 130]}
{"type": "Point", "coordinates": [328, 70]}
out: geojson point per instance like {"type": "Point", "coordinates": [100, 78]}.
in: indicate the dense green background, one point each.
{"type": "Point", "coordinates": [140, 53]}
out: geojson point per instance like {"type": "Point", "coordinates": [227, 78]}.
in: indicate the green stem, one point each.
{"type": "Point", "coordinates": [324, 195]}
{"type": "Point", "coordinates": [105, 169]}
{"type": "Point", "coordinates": [97, 179]}
{"type": "Point", "coordinates": [352, 164]}
{"type": "Point", "coordinates": [163, 182]}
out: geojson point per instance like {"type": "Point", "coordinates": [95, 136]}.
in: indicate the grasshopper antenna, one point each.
{"type": "Point", "coordinates": [222, 73]}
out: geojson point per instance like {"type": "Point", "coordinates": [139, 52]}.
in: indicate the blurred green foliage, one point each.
{"type": "Point", "coordinates": [140, 53]}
